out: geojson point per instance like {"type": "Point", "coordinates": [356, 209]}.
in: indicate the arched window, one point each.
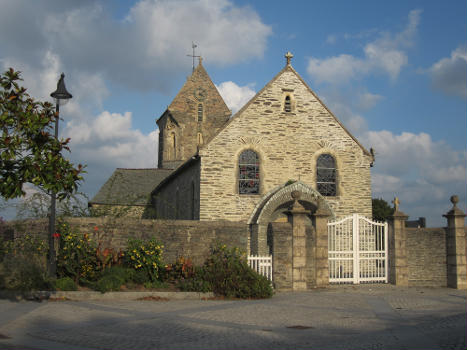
{"type": "Point", "coordinates": [287, 104]}
{"type": "Point", "coordinates": [248, 172]}
{"type": "Point", "coordinates": [200, 138]}
{"type": "Point", "coordinates": [326, 175]}
{"type": "Point", "coordinates": [200, 112]}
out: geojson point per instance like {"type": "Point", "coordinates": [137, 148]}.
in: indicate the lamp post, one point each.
{"type": "Point", "coordinates": [61, 96]}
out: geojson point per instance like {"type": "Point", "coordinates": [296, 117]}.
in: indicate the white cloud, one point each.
{"type": "Point", "coordinates": [367, 100]}
{"type": "Point", "coordinates": [423, 173]}
{"type": "Point", "coordinates": [386, 54]}
{"type": "Point", "coordinates": [449, 74]}
{"type": "Point", "coordinates": [145, 50]}
{"type": "Point", "coordinates": [235, 96]}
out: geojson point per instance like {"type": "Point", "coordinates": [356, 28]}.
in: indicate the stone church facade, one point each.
{"type": "Point", "coordinates": [281, 135]}
{"type": "Point", "coordinates": [282, 166]}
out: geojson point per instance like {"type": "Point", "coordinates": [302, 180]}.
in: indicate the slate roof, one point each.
{"type": "Point", "coordinates": [130, 186]}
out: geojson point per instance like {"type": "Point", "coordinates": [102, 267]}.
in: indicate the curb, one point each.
{"type": "Point", "coordinates": [82, 296]}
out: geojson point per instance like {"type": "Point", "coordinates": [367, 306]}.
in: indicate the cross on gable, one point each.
{"type": "Point", "coordinates": [288, 56]}
{"type": "Point", "coordinates": [194, 46]}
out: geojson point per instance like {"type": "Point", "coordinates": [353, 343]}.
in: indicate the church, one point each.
{"type": "Point", "coordinates": [244, 168]}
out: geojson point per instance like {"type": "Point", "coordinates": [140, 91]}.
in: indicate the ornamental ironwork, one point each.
{"type": "Point", "coordinates": [248, 172]}
{"type": "Point", "coordinates": [326, 175]}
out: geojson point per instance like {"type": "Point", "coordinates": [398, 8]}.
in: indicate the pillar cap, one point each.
{"type": "Point", "coordinates": [455, 211]}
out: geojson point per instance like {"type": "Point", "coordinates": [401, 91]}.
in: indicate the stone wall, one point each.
{"type": "Point", "coordinates": [426, 257]}
{"type": "Point", "coordinates": [178, 199]}
{"type": "Point", "coordinates": [288, 145]}
{"type": "Point", "coordinates": [179, 237]}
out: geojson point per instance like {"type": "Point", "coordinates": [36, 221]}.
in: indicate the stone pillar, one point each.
{"type": "Point", "coordinates": [397, 237]}
{"type": "Point", "coordinates": [456, 247]}
{"type": "Point", "coordinates": [321, 217]}
{"type": "Point", "coordinates": [299, 218]}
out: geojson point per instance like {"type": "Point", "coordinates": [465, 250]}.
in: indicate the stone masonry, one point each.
{"type": "Point", "coordinates": [288, 145]}
{"type": "Point", "coordinates": [195, 115]}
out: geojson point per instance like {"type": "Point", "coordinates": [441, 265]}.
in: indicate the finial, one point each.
{"type": "Point", "coordinates": [288, 56]}
{"type": "Point", "coordinates": [396, 204]}
{"type": "Point", "coordinates": [454, 201]}
{"type": "Point", "coordinates": [200, 60]}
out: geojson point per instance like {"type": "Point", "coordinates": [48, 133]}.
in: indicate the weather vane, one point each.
{"type": "Point", "coordinates": [193, 46]}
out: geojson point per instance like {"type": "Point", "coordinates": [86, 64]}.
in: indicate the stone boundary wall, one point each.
{"type": "Point", "coordinates": [426, 257]}
{"type": "Point", "coordinates": [180, 237]}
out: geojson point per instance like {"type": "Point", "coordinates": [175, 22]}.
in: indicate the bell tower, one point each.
{"type": "Point", "coordinates": [195, 115]}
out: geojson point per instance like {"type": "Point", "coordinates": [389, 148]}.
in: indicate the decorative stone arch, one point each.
{"type": "Point", "coordinates": [282, 194]}
{"type": "Point", "coordinates": [279, 200]}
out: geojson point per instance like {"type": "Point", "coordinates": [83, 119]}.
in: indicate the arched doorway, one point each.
{"type": "Point", "coordinates": [284, 225]}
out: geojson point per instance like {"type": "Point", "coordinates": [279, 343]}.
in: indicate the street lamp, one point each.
{"type": "Point", "coordinates": [61, 96]}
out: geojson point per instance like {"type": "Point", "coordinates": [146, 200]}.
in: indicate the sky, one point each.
{"type": "Point", "coordinates": [393, 72]}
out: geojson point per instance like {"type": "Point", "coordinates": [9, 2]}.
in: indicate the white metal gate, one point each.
{"type": "Point", "coordinates": [358, 250]}
{"type": "Point", "coordinates": [262, 265]}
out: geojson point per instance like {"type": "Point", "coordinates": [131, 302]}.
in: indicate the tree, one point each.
{"type": "Point", "coordinates": [381, 209]}
{"type": "Point", "coordinates": [29, 152]}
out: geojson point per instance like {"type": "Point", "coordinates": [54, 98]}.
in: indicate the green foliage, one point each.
{"type": "Point", "coordinates": [107, 283]}
{"type": "Point", "coordinates": [227, 271]}
{"type": "Point", "coordinates": [76, 256]}
{"type": "Point", "coordinates": [197, 283]}
{"type": "Point", "coordinates": [65, 284]}
{"type": "Point", "coordinates": [156, 285]}
{"type": "Point", "coordinates": [24, 265]}
{"type": "Point", "coordinates": [29, 152]}
{"type": "Point", "coordinates": [112, 279]}
{"type": "Point", "coordinates": [381, 209]}
{"type": "Point", "coordinates": [145, 256]}
{"type": "Point", "coordinates": [182, 268]}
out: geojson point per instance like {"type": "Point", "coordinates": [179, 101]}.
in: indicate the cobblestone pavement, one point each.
{"type": "Point", "coordinates": [341, 317]}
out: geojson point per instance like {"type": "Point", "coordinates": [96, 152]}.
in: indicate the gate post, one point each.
{"type": "Point", "coordinates": [456, 247]}
{"type": "Point", "coordinates": [399, 270]}
{"type": "Point", "coordinates": [299, 262]}
{"type": "Point", "coordinates": [321, 217]}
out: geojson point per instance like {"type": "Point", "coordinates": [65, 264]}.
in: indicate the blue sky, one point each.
{"type": "Point", "coordinates": [393, 72]}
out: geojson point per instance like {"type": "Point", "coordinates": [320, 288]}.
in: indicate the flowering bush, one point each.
{"type": "Point", "coordinates": [145, 256]}
{"type": "Point", "coordinates": [76, 257]}
{"type": "Point", "coordinates": [182, 268]}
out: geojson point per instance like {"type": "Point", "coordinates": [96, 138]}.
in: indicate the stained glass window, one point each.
{"type": "Point", "coordinates": [326, 175]}
{"type": "Point", "coordinates": [248, 172]}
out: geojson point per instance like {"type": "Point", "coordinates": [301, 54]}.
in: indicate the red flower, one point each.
{"type": "Point", "coordinates": [96, 228]}
{"type": "Point", "coordinates": [56, 235]}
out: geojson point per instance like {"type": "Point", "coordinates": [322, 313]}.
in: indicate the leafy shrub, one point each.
{"type": "Point", "coordinates": [24, 265]}
{"type": "Point", "coordinates": [110, 282]}
{"type": "Point", "coordinates": [227, 271]}
{"type": "Point", "coordinates": [113, 278]}
{"type": "Point", "coordinates": [182, 268]}
{"type": "Point", "coordinates": [139, 276]}
{"type": "Point", "coordinates": [156, 285]}
{"type": "Point", "coordinates": [145, 256]}
{"type": "Point", "coordinates": [195, 284]}
{"type": "Point", "coordinates": [65, 284]}
{"type": "Point", "coordinates": [76, 257]}
{"type": "Point", "coordinates": [22, 273]}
